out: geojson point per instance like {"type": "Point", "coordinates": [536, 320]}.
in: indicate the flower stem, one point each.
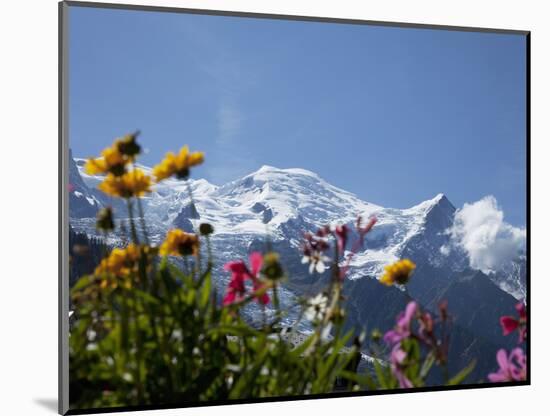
{"type": "Point", "coordinates": [132, 224]}
{"type": "Point", "coordinates": [192, 201]}
{"type": "Point", "coordinates": [142, 220]}
{"type": "Point", "coordinates": [140, 212]}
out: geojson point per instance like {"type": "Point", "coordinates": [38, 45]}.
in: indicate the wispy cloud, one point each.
{"type": "Point", "coordinates": [230, 158]}
{"type": "Point", "coordinates": [230, 78]}
{"type": "Point", "coordinates": [230, 122]}
{"type": "Point", "coordinates": [480, 230]}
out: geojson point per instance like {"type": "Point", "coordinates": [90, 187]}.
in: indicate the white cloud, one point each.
{"type": "Point", "coordinates": [480, 230]}
{"type": "Point", "coordinates": [230, 120]}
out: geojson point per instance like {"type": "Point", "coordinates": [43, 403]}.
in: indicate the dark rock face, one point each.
{"type": "Point", "coordinates": [433, 268]}
{"type": "Point", "coordinates": [267, 215]}
{"type": "Point", "coordinates": [477, 304]}
{"type": "Point", "coordinates": [258, 207]}
{"type": "Point", "coordinates": [187, 213]}
{"type": "Point", "coordinates": [264, 210]}
{"type": "Point", "coordinates": [370, 305]}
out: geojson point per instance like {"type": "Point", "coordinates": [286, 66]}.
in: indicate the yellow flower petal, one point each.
{"type": "Point", "coordinates": [177, 165]}
{"type": "Point", "coordinates": [398, 272]}
{"type": "Point", "coordinates": [134, 183]}
{"type": "Point", "coordinates": [178, 242]}
{"type": "Point", "coordinates": [95, 166]}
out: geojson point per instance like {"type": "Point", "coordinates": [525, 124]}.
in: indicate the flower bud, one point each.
{"type": "Point", "coordinates": [128, 146]}
{"type": "Point", "coordinates": [206, 229]}
{"type": "Point", "coordinates": [272, 269]}
{"type": "Point", "coordinates": [376, 335]}
{"type": "Point", "coordinates": [104, 220]}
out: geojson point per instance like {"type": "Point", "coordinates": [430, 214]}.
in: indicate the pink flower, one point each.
{"type": "Point", "coordinates": [402, 329]}
{"type": "Point", "coordinates": [426, 327]}
{"type": "Point", "coordinates": [341, 232]}
{"type": "Point", "coordinates": [397, 358]}
{"type": "Point", "coordinates": [236, 288]}
{"type": "Point", "coordinates": [510, 324]}
{"type": "Point", "coordinates": [512, 367]}
{"type": "Point", "coordinates": [256, 260]}
{"type": "Point", "coordinates": [260, 298]}
{"type": "Point", "coordinates": [364, 230]}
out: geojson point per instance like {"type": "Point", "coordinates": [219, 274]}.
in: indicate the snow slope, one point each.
{"type": "Point", "coordinates": [281, 204]}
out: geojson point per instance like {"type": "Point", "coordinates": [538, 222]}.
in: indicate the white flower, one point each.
{"type": "Point", "coordinates": [316, 262]}
{"type": "Point", "coordinates": [317, 307]}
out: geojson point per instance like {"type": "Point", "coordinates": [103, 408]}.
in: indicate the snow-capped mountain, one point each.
{"type": "Point", "coordinates": [276, 206]}
{"type": "Point", "coordinates": [282, 204]}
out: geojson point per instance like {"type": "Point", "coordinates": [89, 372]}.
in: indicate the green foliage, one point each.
{"type": "Point", "coordinates": [170, 341]}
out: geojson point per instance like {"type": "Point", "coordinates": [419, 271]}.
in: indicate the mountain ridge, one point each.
{"type": "Point", "coordinates": [285, 203]}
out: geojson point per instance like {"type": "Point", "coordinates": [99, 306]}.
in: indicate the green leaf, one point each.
{"type": "Point", "coordinates": [146, 297]}
{"type": "Point", "coordinates": [205, 291]}
{"type": "Point", "coordinates": [379, 370]}
{"type": "Point", "coordinates": [82, 283]}
{"type": "Point", "coordinates": [427, 365]}
{"type": "Point", "coordinates": [302, 348]}
{"type": "Point", "coordinates": [462, 374]}
{"type": "Point", "coordinates": [357, 378]}
{"type": "Point", "coordinates": [236, 330]}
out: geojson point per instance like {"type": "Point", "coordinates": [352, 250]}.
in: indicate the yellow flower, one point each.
{"type": "Point", "coordinates": [115, 158]}
{"type": "Point", "coordinates": [177, 164]}
{"type": "Point", "coordinates": [111, 161]}
{"type": "Point", "coordinates": [399, 272]}
{"type": "Point", "coordinates": [121, 262]}
{"type": "Point", "coordinates": [128, 146]}
{"type": "Point", "coordinates": [178, 242]}
{"type": "Point", "coordinates": [133, 183]}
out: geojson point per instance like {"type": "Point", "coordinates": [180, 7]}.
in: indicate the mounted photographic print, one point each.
{"type": "Point", "coordinates": [264, 208]}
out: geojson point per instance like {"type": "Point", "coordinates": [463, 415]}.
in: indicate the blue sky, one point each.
{"type": "Point", "coordinates": [394, 115]}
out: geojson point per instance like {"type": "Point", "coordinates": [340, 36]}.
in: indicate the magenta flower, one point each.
{"type": "Point", "coordinates": [510, 324]}
{"type": "Point", "coordinates": [397, 358]}
{"type": "Point", "coordinates": [260, 298]}
{"type": "Point", "coordinates": [426, 327]}
{"type": "Point", "coordinates": [341, 232]}
{"type": "Point", "coordinates": [402, 329]}
{"type": "Point", "coordinates": [256, 260]}
{"type": "Point", "coordinates": [512, 367]}
{"type": "Point", "coordinates": [236, 288]}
